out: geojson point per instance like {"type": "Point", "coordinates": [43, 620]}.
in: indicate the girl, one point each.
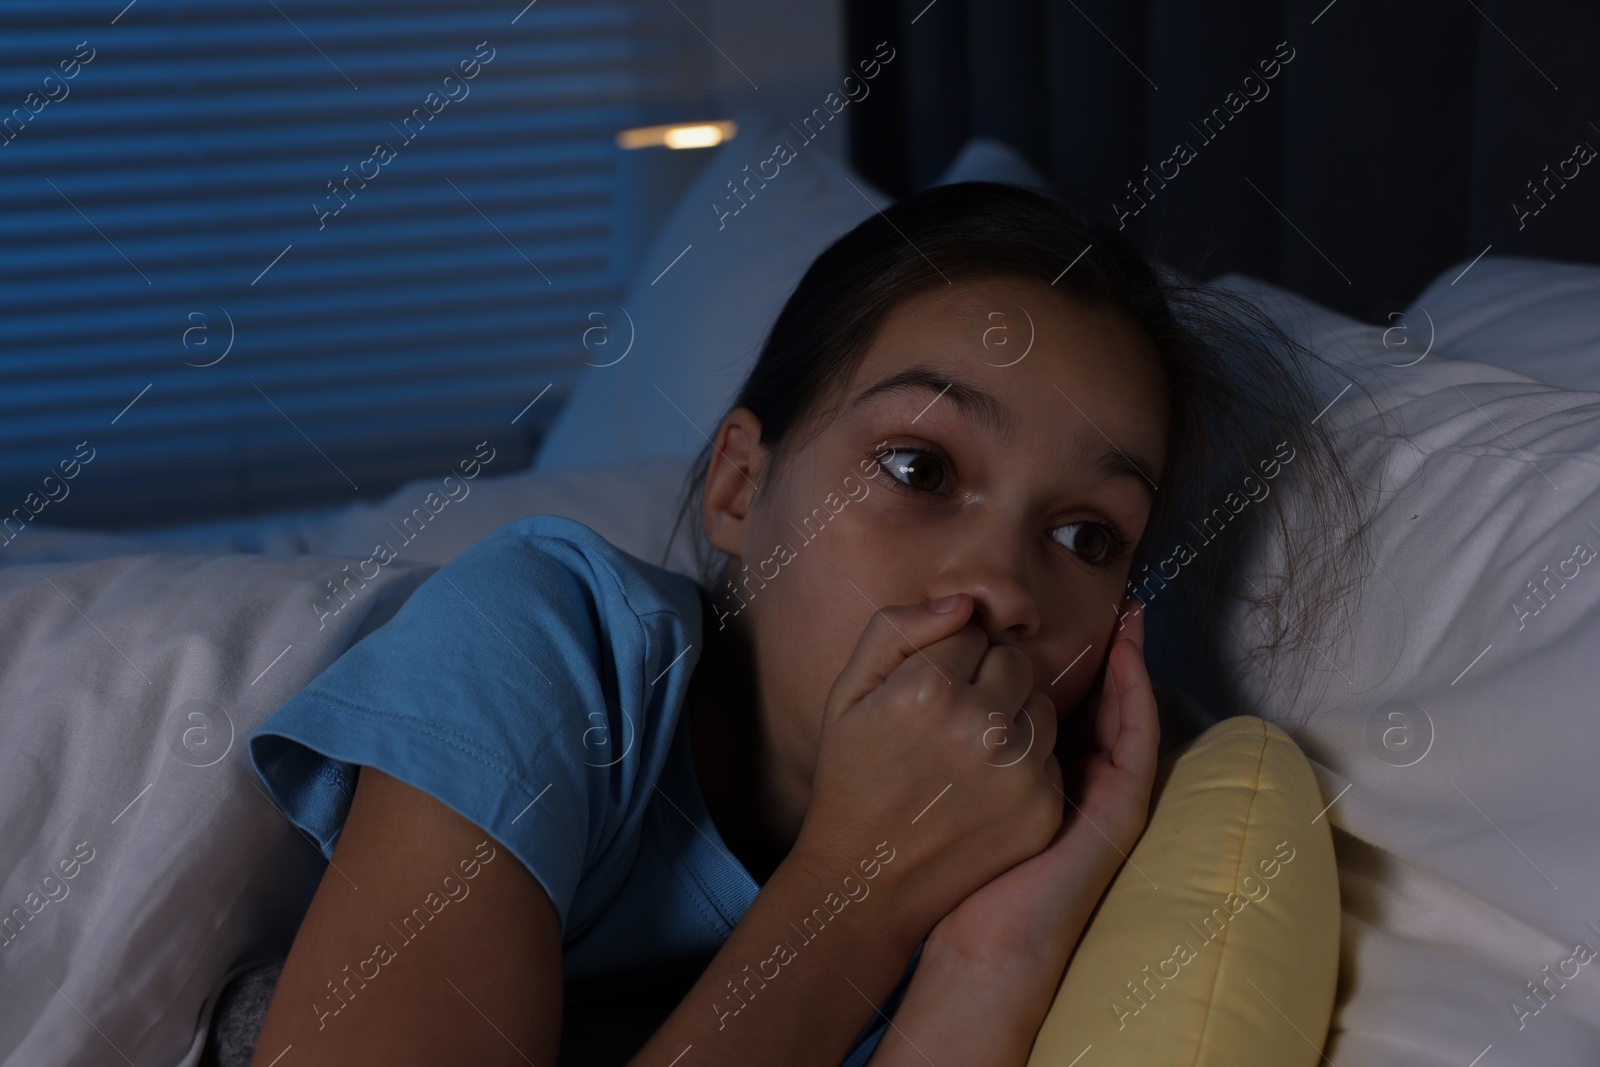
{"type": "Point", "coordinates": [885, 756]}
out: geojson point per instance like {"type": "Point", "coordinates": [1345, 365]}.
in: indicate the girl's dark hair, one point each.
{"type": "Point", "coordinates": [1238, 386]}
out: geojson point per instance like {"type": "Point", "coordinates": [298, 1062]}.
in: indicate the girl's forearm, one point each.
{"type": "Point", "coordinates": [988, 1009]}
{"type": "Point", "coordinates": [785, 991]}
{"type": "Point", "coordinates": [964, 1014]}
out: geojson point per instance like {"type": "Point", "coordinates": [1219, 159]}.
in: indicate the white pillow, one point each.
{"type": "Point", "coordinates": [696, 323]}
{"type": "Point", "coordinates": [984, 159]}
{"type": "Point", "coordinates": [697, 329]}
{"type": "Point", "coordinates": [142, 859]}
{"type": "Point", "coordinates": [1452, 726]}
{"type": "Point", "coordinates": [427, 520]}
{"type": "Point", "coordinates": [631, 504]}
{"type": "Point", "coordinates": [1537, 316]}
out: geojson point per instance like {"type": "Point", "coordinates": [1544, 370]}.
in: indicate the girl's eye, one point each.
{"type": "Point", "coordinates": [913, 469]}
{"type": "Point", "coordinates": [1099, 544]}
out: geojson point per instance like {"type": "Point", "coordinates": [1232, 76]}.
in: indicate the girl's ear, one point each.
{"type": "Point", "coordinates": [737, 460]}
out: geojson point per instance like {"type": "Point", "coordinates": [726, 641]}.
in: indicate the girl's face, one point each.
{"type": "Point", "coordinates": [998, 439]}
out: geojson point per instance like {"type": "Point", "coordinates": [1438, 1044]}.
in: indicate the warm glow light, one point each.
{"type": "Point", "coordinates": [692, 136]}
{"type": "Point", "coordinates": [678, 135]}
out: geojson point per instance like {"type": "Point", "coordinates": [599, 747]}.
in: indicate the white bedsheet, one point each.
{"type": "Point", "coordinates": [141, 858]}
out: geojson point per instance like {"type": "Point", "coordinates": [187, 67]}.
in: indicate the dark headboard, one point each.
{"type": "Point", "coordinates": [1398, 139]}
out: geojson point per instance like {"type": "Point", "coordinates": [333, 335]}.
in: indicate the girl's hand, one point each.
{"type": "Point", "coordinates": [903, 763]}
{"type": "Point", "coordinates": [1032, 915]}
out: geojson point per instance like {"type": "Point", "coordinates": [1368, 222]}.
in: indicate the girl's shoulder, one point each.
{"type": "Point", "coordinates": [533, 683]}
{"type": "Point", "coordinates": [530, 550]}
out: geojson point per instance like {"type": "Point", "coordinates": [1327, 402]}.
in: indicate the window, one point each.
{"type": "Point", "coordinates": [290, 254]}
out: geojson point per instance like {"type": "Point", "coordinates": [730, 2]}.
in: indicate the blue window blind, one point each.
{"type": "Point", "coordinates": [279, 254]}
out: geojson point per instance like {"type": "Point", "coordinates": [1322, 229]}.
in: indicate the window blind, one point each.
{"type": "Point", "coordinates": [282, 254]}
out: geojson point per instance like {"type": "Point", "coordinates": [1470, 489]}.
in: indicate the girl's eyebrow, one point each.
{"type": "Point", "coordinates": [982, 407]}
{"type": "Point", "coordinates": [990, 412]}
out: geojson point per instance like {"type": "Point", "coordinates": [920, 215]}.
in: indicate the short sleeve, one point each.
{"type": "Point", "coordinates": [531, 684]}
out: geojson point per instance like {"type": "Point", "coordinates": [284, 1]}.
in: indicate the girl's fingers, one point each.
{"type": "Point", "coordinates": [1130, 621]}
{"type": "Point", "coordinates": [1130, 626]}
{"type": "Point", "coordinates": [895, 634]}
{"type": "Point", "coordinates": [1124, 720]}
{"type": "Point", "coordinates": [1137, 723]}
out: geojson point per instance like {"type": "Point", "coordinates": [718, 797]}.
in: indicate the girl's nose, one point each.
{"type": "Point", "coordinates": [995, 571]}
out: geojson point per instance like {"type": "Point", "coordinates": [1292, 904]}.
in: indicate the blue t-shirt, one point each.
{"type": "Point", "coordinates": [534, 684]}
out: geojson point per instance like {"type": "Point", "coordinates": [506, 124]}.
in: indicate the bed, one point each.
{"type": "Point", "coordinates": [1452, 726]}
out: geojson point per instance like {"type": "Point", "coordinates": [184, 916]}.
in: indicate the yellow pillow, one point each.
{"type": "Point", "coordinates": [1217, 943]}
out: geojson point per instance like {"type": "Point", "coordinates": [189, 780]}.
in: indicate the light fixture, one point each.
{"type": "Point", "coordinates": [678, 135]}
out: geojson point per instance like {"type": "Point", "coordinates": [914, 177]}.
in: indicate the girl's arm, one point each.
{"type": "Point", "coordinates": [772, 996]}
{"type": "Point", "coordinates": [991, 967]}
{"type": "Point", "coordinates": [897, 736]}
{"type": "Point", "coordinates": [476, 979]}
{"type": "Point", "coordinates": [988, 1009]}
